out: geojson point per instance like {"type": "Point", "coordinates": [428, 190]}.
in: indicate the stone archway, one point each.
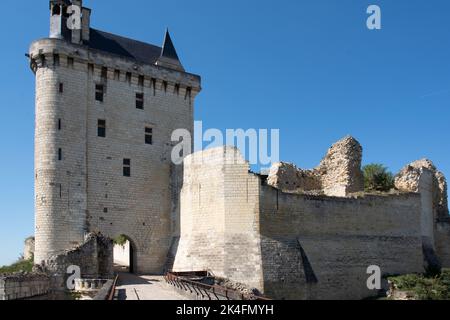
{"type": "Point", "coordinates": [124, 254]}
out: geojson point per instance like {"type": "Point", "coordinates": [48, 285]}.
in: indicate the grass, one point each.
{"type": "Point", "coordinates": [19, 266]}
{"type": "Point", "coordinates": [425, 287]}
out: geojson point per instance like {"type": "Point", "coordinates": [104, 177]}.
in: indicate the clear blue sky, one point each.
{"type": "Point", "coordinates": [309, 68]}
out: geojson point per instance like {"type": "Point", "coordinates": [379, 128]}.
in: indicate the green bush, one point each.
{"type": "Point", "coordinates": [425, 287]}
{"type": "Point", "coordinates": [19, 266]}
{"type": "Point", "coordinates": [377, 178]}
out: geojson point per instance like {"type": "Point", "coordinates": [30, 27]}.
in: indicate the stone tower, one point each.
{"type": "Point", "coordinates": [106, 107]}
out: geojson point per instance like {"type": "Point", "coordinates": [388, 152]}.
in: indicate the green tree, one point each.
{"type": "Point", "coordinates": [120, 240]}
{"type": "Point", "coordinates": [377, 178]}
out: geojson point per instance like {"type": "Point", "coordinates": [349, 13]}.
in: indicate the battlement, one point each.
{"type": "Point", "coordinates": [56, 52]}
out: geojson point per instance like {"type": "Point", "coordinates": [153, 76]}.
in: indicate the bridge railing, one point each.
{"type": "Point", "coordinates": [184, 281]}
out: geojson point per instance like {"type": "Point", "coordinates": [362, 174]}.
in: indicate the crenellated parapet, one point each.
{"type": "Point", "coordinates": [52, 53]}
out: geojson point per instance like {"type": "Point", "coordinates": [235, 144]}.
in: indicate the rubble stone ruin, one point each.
{"type": "Point", "coordinates": [338, 174]}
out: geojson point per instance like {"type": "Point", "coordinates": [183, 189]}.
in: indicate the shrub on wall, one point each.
{"type": "Point", "coordinates": [19, 266]}
{"type": "Point", "coordinates": [377, 178]}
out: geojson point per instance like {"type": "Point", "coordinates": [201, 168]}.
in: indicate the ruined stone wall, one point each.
{"type": "Point", "coordinates": [422, 176]}
{"type": "Point", "coordinates": [317, 247]}
{"type": "Point", "coordinates": [23, 286]}
{"type": "Point", "coordinates": [409, 177]}
{"type": "Point", "coordinates": [442, 240]}
{"type": "Point", "coordinates": [339, 173]}
{"type": "Point", "coordinates": [94, 257]}
{"type": "Point", "coordinates": [340, 170]}
{"type": "Point", "coordinates": [86, 190]}
{"type": "Point", "coordinates": [287, 245]}
{"type": "Point", "coordinates": [219, 217]}
{"type": "Point", "coordinates": [28, 251]}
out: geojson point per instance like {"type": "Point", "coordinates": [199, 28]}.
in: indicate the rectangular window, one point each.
{"type": "Point", "coordinates": [70, 62]}
{"type": "Point", "coordinates": [141, 81]}
{"type": "Point", "coordinates": [43, 60]}
{"type": "Point", "coordinates": [104, 72]}
{"type": "Point", "coordinates": [99, 92]}
{"type": "Point", "coordinates": [59, 124]}
{"type": "Point", "coordinates": [101, 128]}
{"type": "Point", "coordinates": [128, 77]}
{"type": "Point", "coordinates": [56, 59]}
{"type": "Point", "coordinates": [140, 100]}
{"type": "Point", "coordinates": [148, 135]}
{"type": "Point", "coordinates": [90, 68]}
{"type": "Point", "coordinates": [60, 154]}
{"type": "Point", "coordinates": [61, 87]}
{"type": "Point", "coordinates": [117, 75]}
{"type": "Point", "coordinates": [126, 167]}
{"type": "Point", "coordinates": [188, 93]}
{"type": "Point", "coordinates": [153, 82]}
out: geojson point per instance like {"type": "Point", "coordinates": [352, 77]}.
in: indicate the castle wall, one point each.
{"type": "Point", "coordinates": [95, 195]}
{"type": "Point", "coordinates": [291, 246]}
{"type": "Point", "coordinates": [23, 286]}
{"type": "Point", "coordinates": [442, 238]}
{"type": "Point", "coordinates": [219, 217]}
{"type": "Point", "coordinates": [316, 247]}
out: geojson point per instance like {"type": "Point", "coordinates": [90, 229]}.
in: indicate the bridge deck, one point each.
{"type": "Point", "coordinates": [133, 287]}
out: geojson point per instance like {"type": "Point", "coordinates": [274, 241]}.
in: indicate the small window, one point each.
{"type": "Point", "coordinates": [153, 82]}
{"type": "Point", "coordinates": [56, 59]}
{"type": "Point", "coordinates": [128, 77]}
{"type": "Point", "coordinates": [43, 59]}
{"type": "Point", "coordinates": [101, 128]}
{"type": "Point", "coordinates": [148, 135]}
{"type": "Point", "coordinates": [116, 74]}
{"type": "Point", "coordinates": [141, 81]}
{"type": "Point", "coordinates": [61, 87]}
{"type": "Point", "coordinates": [70, 62]}
{"type": "Point", "coordinates": [60, 154]}
{"type": "Point", "coordinates": [99, 92]}
{"type": "Point", "coordinates": [56, 10]}
{"type": "Point", "coordinates": [126, 167]}
{"type": "Point", "coordinates": [188, 93]}
{"type": "Point", "coordinates": [140, 100]}
{"type": "Point", "coordinates": [65, 12]}
{"type": "Point", "coordinates": [105, 210]}
{"type": "Point", "coordinates": [104, 72]}
{"type": "Point", "coordinates": [59, 124]}
{"type": "Point", "coordinates": [90, 68]}
{"type": "Point", "coordinates": [164, 84]}
{"type": "Point", "coordinates": [177, 89]}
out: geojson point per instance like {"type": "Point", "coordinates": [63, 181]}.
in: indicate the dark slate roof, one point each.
{"type": "Point", "coordinates": [168, 49]}
{"type": "Point", "coordinates": [128, 48]}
